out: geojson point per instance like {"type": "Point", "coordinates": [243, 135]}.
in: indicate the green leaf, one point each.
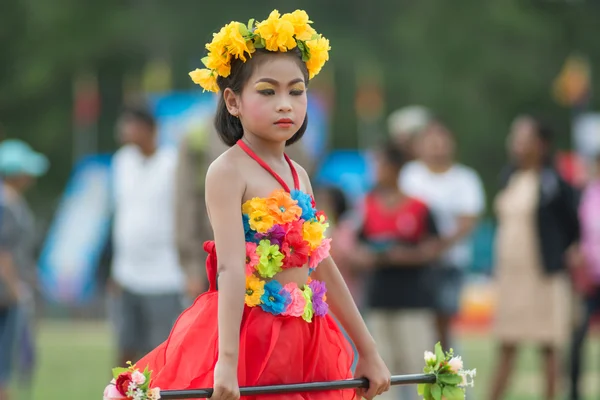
{"type": "Point", "coordinates": [427, 392]}
{"type": "Point", "coordinates": [449, 379]}
{"type": "Point", "coordinates": [118, 371]}
{"type": "Point", "coordinates": [439, 354]}
{"type": "Point", "coordinates": [243, 30]}
{"type": "Point", "coordinates": [204, 61]}
{"type": "Point", "coordinates": [251, 24]}
{"type": "Point", "coordinates": [453, 393]}
{"type": "Point", "coordinates": [436, 391]}
{"type": "Point", "coordinates": [421, 389]}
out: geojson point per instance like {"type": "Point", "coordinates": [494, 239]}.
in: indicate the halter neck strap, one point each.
{"type": "Point", "coordinates": [263, 164]}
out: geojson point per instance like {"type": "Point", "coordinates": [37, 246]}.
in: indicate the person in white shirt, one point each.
{"type": "Point", "coordinates": [148, 279]}
{"type": "Point", "coordinates": [455, 195]}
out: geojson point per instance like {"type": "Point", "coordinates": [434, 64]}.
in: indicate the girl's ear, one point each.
{"type": "Point", "coordinates": [232, 102]}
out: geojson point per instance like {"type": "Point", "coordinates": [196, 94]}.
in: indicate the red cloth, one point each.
{"type": "Point", "coordinates": [273, 349]}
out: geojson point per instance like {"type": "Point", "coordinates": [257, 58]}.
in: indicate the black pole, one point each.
{"type": "Point", "coordinates": [298, 387]}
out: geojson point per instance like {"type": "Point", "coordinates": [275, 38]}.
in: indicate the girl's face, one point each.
{"type": "Point", "coordinates": [273, 102]}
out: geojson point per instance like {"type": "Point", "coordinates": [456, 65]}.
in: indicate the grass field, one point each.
{"type": "Point", "coordinates": [75, 361]}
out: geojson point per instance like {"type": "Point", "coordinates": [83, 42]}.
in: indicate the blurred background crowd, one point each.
{"type": "Point", "coordinates": [454, 147]}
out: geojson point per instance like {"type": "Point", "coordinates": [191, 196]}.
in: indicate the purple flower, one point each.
{"type": "Point", "coordinates": [275, 235]}
{"type": "Point", "coordinates": [319, 305]}
{"type": "Point", "coordinates": [287, 296]}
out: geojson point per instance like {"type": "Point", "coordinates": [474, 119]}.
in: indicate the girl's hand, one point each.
{"type": "Point", "coordinates": [226, 383]}
{"type": "Point", "coordinates": [372, 367]}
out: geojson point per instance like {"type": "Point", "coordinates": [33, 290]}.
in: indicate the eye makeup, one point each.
{"type": "Point", "coordinates": [260, 86]}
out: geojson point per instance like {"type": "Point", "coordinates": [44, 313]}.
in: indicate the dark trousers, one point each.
{"type": "Point", "coordinates": [592, 306]}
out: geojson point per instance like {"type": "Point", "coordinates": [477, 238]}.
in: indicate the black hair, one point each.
{"type": "Point", "coordinates": [393, 155]}
{"type": "Point", "coordinates": [230, 128]}
{"type": "Point", "coordinates": [139, 114]}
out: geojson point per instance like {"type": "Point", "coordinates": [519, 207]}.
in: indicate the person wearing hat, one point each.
{"type": "Point", "coordinates": [20, 165]}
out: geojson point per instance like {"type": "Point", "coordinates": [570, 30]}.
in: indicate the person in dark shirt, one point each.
{"type": "Point", "coordinates": [398, 244]}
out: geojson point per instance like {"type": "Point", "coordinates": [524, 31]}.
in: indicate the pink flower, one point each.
{"type": "Point", "coordinates": [251, 258]}
{"type": "Point", "coordinates": [138, 378]}
{"type": "Point", "coordinates": [111, 392]}
{"type": "Point", "coordinates": [455, 364]}
{"type": "Point", "coordinates": [320, 253]}
{"type": "Point", "coordinates": [296, 307]}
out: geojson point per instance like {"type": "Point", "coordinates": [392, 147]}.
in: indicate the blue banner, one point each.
{"type": "Point", "coordinates": [74, 243]}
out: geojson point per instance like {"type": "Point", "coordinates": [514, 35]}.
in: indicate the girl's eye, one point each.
{"type": "Point", "coordinates": [297, 92]}
{"type": "Point", "coordinates": [267, 92]}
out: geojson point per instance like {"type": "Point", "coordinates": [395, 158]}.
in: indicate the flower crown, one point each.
{"type": "Point", "coordinates": [276, 33]}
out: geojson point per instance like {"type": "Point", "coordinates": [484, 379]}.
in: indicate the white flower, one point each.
{"type": "Point", "coordinates": [455, 364]}
{"type": "Point", "coordinates": [154, 393]}
{"type": "Point", "coordinates": [429, 357]}
{"type": "Point", "coordinates": [465, 375]}
{"type": "Point", "coordinates": [138, 378]}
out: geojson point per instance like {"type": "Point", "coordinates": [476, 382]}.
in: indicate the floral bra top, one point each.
{"type": "Point", "coordinates": [284, 230]}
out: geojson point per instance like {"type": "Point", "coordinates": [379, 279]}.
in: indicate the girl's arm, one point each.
{"type": "Point", "coordinates": [224, 192]}
{"type": "Point", "coordinates": [343, 307]}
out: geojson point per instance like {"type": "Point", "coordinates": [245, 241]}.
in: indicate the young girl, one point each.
{"type": "Point", "coordinates": [268, 322]}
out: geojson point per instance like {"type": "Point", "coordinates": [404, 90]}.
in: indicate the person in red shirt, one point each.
{"type": "Point", "coordinates": [398, 245]}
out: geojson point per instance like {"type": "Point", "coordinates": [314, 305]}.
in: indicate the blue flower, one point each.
{"type": "Point", "coordinates": [249, 232]}
{"type": "Point", "coordinates": [273, 299]}
{"type": "Point", "coordinates": [305, 203]}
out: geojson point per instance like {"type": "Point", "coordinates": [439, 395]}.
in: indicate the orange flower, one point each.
{"type": "Point", "coordinates": [282, 207]}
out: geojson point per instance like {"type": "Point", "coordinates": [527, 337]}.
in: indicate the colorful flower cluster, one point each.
{"type": "Point", "coordinates": [451, 378]}
{"type": "Point", "coordinates": [278, 33]}
{"type": "Point", "coordinates": [129, 383]}
{"type": "Point", "coordinates": [289, 299]}
{"type": "Point", "coordinates": [284, 231]}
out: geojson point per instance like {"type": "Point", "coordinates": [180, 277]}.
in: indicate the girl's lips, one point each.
{"type": "Point", "coordinates": [284, 122]}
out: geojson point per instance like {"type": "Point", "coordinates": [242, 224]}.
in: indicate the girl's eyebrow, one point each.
{"type": "Point", "coordinates": [274, 82]}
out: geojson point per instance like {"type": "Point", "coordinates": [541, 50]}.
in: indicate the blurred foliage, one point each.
{"type": "Point", "coordinates": [477, 64]}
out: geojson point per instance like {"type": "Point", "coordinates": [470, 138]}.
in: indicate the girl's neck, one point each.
{"type": "Point", "coordinates": [268, 151]}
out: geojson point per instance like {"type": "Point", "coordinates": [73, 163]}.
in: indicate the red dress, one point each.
{"type": "Point", "coordinates": [283, 338]}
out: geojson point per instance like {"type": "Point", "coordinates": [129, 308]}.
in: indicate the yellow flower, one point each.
{"type": "Point", "coordinates": [260, 219]}
{"type": "Point", "coordinates": [300, 21]}
{"type": "Point", "coordinates": [219, 63]}
{"type": "Point", "coordinates": [255, 203]}
{"type": "Point", "coordinates": [254, 289]}
{"type": "Point", "coordinates": [236, 44]}
{"type": "Point", "coordinates": [205, 78]}
{"type": "Point", "coordinates": [319, 55]}
{"type": "Point", "coordinates": [313, 233]}
{"type": "Point", "coordinates": [277, 33]}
